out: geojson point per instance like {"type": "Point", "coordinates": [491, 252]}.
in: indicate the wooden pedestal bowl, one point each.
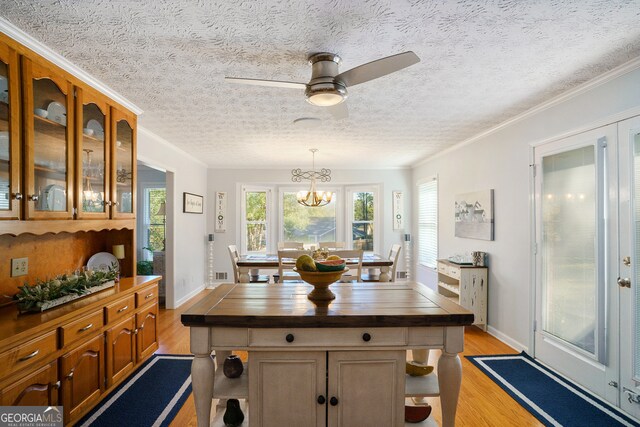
{"type": "Point", "coordinates": [320, 282]}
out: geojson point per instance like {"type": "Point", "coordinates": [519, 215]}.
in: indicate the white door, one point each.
{"type": "Point", "coordinates": [628, 266]}
{"type": "Point", "coordinates": [576, 330]}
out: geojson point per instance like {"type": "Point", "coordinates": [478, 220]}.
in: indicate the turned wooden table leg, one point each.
{"type": "Point", "coordinates": [450, 374]}
{"type": "Point", "coordinates": [202, 375]}
{"type": "Point", "coordinates": [384, 274]}
{"type": "Point", "coordinates": [244, 274]}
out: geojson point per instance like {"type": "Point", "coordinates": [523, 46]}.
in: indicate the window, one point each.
{"type": "Point", "coordinates": [154, 219]}
{"type": "Point", "coordinates": [255, 220]}
{"type": "Point", "coordinates": [305, 224]}
{"type": "Point", "coordinates": [428, 223]}
{"type": "Point", "coordinates": [362, 225]}
{"type": "Point", "coordinates": [362, 206]}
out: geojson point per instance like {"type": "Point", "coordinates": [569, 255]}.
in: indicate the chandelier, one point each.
{"type": "Point", "coordinates": [313, 198]}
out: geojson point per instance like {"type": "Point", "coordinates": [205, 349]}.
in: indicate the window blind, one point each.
{"type": "Point", "coordinates": [428, 223]}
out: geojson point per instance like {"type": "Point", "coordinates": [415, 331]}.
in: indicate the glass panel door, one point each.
{"type": "Point", "coordinates": [574, 219]}
{"type": "Point", "coordinates": [50, 155]}
{"type": "Point", "coordinates": [93, 160]}
{"type": "Point", "coordinates": [10, 147]}
{"type": "Point", "coordinates": [5, 179]}
{"type": "Point", "coordinates": [124, 167]}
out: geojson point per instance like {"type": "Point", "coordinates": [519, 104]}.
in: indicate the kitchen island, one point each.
{"type": "Point", "coordinates": [325, 365]}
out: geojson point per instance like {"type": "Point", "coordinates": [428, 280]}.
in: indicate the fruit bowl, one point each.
{"type": "Point", "coordinates": [320, 280]}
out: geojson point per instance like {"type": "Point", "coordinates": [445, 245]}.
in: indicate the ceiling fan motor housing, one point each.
{"type": "Point", "coordinates": [323, 89]}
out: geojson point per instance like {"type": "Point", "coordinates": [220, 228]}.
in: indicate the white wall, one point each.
{"type": "Point", "coordinates": [500, 160]}
{"type": "Point", "coordinates": [230, 180]}
{"type": "Point", "coordinates": [186, 233]}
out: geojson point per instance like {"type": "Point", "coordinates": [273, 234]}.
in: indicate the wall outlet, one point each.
{"type": "Point", "coordinates": [19, 267]}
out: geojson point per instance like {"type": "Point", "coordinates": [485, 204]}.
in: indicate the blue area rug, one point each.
{"type": "Point", "coordinates": [551, 398]}
{"type": "Point", "coordinates": [151, 396]}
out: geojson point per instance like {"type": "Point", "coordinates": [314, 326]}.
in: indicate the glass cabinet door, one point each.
{"type": "Point", "coordinates": [124, 165]}
{"type": "Point", "coordinates": [10, 195]}
{"type": "Point", "coordinates": [49, 131]}
{"type": "Point", "coordinates": [92, 173]}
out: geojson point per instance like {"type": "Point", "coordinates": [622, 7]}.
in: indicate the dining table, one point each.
{"type": "Point", "coordinates": [255, 262]}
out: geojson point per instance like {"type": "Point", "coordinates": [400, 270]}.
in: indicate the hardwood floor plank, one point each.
{"type": "Point", "coordinates": [481, 402]}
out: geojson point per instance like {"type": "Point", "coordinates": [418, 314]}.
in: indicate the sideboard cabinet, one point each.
{"type": "Point", "coordinates": [73, 354]}
{"type": "Point", "coordinates": [466, 285]}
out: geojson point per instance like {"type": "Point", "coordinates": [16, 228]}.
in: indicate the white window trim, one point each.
{"type": "Point", "coordinates": [377, 213]}
{"type": "Point", "coordinates": [420, 243]}
{"type": "Point", "coordinates": [304, 186]}
{"type": "Point", "coordinates": [243, 217]}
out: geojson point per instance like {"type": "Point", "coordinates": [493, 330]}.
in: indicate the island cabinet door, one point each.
{"type": "Point", "coordinates": [121, 350]}
{"type": "Point", "coordinates": [366, 388]}
{"type": "Point", "coordinates": [39, 388]}
{"type": "Point", "coordinates": [287, 389]}
{"type": "Point", "coordinates": [82, 378]}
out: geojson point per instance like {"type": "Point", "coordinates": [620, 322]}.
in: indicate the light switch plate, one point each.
{"type": "Point", "coordinates": [19, 267]}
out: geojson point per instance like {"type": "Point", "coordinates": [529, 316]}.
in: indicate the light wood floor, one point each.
{"type": "Point", "coordinates": [481, 403]}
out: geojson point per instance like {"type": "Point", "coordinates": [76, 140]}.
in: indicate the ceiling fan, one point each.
{"type": "Point", "coordinates": [328, 87]}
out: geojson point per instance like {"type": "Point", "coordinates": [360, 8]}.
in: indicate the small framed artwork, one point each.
{"type": "Point", "coordinates": [474, 215]}
{"type": "Point", "coordinates": [192, 203]}
{"type": "Point", "coordinates": [398, 210]}
{"type": "Point", "coordinates": [221, 211]}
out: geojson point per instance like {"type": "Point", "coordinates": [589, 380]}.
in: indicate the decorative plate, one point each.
{"type": "Point", "coordinates": [57, 113]}
{"type": "Point", "coordinates": [55, 198]}
{"type": "Point", "coordinates": [96, 127]}
{"type": "Point", "coordinates": [4, 90]}
{"type": "Point", "coordinates": [102, 261]}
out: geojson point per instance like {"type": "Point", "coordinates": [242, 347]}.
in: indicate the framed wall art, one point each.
{"type": "Point", "coordinates": [192, 203]}
{"type": "Point", "coordinates": [398, 210]}
{"type": "Point", "coordinates": [474, 215]}
{"type": "Point", "coordinates": [221, 212]}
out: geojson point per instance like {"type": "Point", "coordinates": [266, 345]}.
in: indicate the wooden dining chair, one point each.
{"type": "Point", "coordinates": [291, 245]}
{"type": "Point", "coordinates": [285, 269]}
{"type": "Point", "coordinates": [233, 253]}
{"type": "Point", "coordinates": [353, 259]}
{"type": "Point", "coordinates": [394, 255]}
{"type": "Point", "coordinates": [332, 245]}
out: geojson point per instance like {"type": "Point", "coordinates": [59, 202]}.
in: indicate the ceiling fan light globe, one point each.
{"type": "Point", "coordinates": [325, 99]}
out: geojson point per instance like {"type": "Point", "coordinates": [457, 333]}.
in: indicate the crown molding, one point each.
{"type": "Point", "coordinates": [49, 54]}
{"type": "Point", "coordinates": [610, 75]}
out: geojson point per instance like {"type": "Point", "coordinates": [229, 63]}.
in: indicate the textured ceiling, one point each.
{"type": "Point", "coordinates": [482, 62]}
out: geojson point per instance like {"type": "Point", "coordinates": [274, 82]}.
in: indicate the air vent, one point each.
{"type": "Point", "coordinates": [221, 275]}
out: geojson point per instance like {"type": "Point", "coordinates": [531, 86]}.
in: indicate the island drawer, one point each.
{"type": "Point", "coordinates": [120, 308]}
{"type": "Point", "coordinates": [27, 353]}
{"type": "Point", "coordinates": [81, 328]}
{"type": "Point", "coordinates": [313, 337]}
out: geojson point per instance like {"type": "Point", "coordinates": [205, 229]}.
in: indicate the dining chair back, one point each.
{"type": "Point", "coordinates": [290, 245]}
{"type": "Point", "coordinates": [286, 262]}
{"type": "Point", "coordinates": [353, 259]}
{"type": "Point", "coordinates": [233, 253]}
{"type": "Point", "coordinates": [332, 245]}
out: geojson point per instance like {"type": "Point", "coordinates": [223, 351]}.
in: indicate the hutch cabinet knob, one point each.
{"type": "Point", "coordinates": [321, 400]}
{"type": "Point", "coordinates": [366, 337]}
{"type": "Point", "coordinates": [289, 338]}
{"type": "Point", "coordinates": [33, 198]}
{"type": "Point", "coordinates": [333, 401]}
{"type": "Point", "coordinates": [17, 196]}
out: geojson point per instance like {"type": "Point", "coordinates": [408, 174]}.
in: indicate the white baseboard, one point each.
{"type": "Point", "coordinates": [190, 295]}
{"type": "Point", "coordinates": [507, 340]}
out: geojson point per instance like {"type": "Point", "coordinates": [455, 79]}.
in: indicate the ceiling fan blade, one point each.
{"type": "Point", "coordinates": [339, 111]}
{"type": "Point", "coordinates": [378, 68]}
{"type": "Point", "coordinates": [272, 83]}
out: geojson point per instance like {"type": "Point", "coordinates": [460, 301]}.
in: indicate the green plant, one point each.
{"type": "Point", "coordinates": [145, 268]}
{"type": "Point", "coordinates": [31, 298]}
